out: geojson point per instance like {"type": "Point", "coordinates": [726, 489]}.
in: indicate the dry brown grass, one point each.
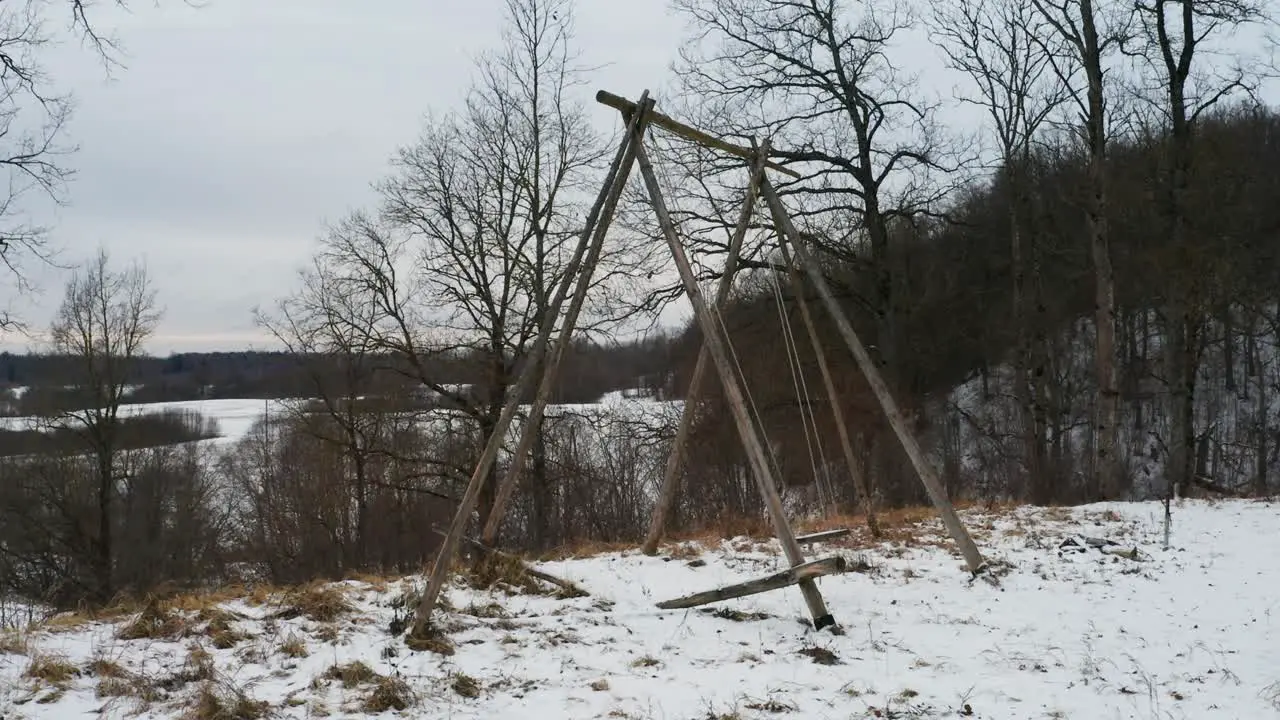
{"type": "Point", "coordinates": [431, 640]}
{"type": "Point", "coordinates": [465, 685]}
{"type": "Point", "coordinates": [378, 583]}
{"type": "Point", "coordinates": [294, 646]}
{"type": "Point", "coordinates": [351, 674]}
{"type": "Point", "coordinates": [584, 548]}
{"type": "Point", "coordinates": [155, 622]}
{"type": "Point", "coordinates": [51, 668]}
{"type": "Point", "coordinates": [218, 627]}
{"type": "Point", "coordinates": [105, 668]}
{"type": "Point", "coordinates": [114, 681]}
{"type": "Point", "coordinates": [506, 571]}
{"type": "Point", "coordinates": [224, 703]}
{"type": "Point", "coordinates": [318, 601]}
{"type": "Point", "coordinates": [14, 642]}
{"type": "Point", "coordinates": [389, 694]}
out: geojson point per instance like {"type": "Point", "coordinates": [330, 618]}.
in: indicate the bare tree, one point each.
{"type": "Point", "coordinates": [359, 406]}
{"type": "Point", "coordinates": [1090, 40]}
{"type": "Point", "coordinates": [1177, 41]}
{"type": "Point", "coordinates": [487, 200]}
{"type": "Point", "coordinates": [34, 150]}
{"type": "Point", "coordinates": [1007, 50]}
{"type": "Point", "coordinates": [105, 317]}
{"type": "Point", "coordinates": [817, 79]}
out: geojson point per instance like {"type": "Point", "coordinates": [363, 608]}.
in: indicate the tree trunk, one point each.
{"type": "Point", "coordinates": [106, 551]}
{"type": "Point", "coordinates": [1106, 471]}
{"type": "Point", "coordinates": [542, 504]}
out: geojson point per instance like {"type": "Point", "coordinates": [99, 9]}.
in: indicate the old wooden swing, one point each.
{"type": "Point", "coordinates": [639, 116]}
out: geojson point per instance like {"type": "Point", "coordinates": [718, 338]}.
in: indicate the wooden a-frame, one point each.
{"type": "Point", "coordinates": [715, 350]}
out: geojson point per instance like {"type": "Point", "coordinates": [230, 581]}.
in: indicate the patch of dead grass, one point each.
{"type": "Point", "coordinates": [321, 602]}
{"type": "Point", "coordinates": [155, 622]}
{"type": "Point", "coordinates": [431, 640]}
{"type": "Point", "coordinates": [389, 694]}
{"type": "Point", "coordinates": [14, 642]}
{"type": "Point", "coordinates": [294, 646]}
{"type": "Point", "coordinates": [352, 674]}
{"type": "Point", "coordinates": [51, 668]}
{"type": "Point", "coordinates": [215, 702]}
{"type": "Point", "coordinates": [465, 685]}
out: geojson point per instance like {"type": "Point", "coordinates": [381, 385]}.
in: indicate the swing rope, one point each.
{"type": "Point", "coordinates": [804, 400]}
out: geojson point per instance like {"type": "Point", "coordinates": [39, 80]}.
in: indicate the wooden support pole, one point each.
{"type": "Point", "coordinates": [733, 392]}
{"type": "Point", "coordinates": [822, 536]}
{"type": "Point", "coordinates": [676, 127]}
{"type": "Point", "coordinates": [675, 461]}
{"type": "Point", "coordinates": [833, 398]}
{"type": "Point", "coordinates": [532, 425]}
{"type": "Point", "coordinates": [928, 476]}
{"type": "Point", "coordinates": [805, 572]}
{"type": "Point", "coordinates": [613, 185]}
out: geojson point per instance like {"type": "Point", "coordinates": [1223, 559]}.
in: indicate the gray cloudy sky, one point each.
{"type": "Point", "coordinates": [239, 127]}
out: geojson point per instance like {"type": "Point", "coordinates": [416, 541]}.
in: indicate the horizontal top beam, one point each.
{"type": "Point", "coordinates": [627, 107]}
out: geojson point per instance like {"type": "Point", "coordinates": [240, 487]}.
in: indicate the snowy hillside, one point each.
{"type": "Point", "coordinates": [1193, 632]}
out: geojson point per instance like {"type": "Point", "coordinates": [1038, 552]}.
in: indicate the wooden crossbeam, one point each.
{"type": "Point", "coordinates": [687, 132]}
{"type": "Point", "coordinates": [805, 572]}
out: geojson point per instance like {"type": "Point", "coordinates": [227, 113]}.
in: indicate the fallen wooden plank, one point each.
{"type": "Point", "coordinates": [528, 569]}
{"type": "Point", "coordinates": [792, 576]}
{"type": "Point", "coordinates": [822, 536]}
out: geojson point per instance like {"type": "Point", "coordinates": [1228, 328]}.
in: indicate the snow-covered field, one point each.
{"type": "Point", "coordinates": [235, 417]}
{"type": "Point", "coordinates": [1192, 632]}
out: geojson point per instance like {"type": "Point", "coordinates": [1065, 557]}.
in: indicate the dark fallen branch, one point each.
{"type": "Point", "coordinates": [777, 581]}
{"type": "Point", "coordinates": [568, 586]}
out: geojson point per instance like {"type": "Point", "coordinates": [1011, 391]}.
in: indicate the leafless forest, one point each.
{"type": "Point", "coordinates": [1078, 300]}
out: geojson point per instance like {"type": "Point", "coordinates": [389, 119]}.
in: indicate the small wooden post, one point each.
{"type": "Point", "coordinates": [842, 429]}
{"type": "Point", "coordinates": [928, 476]}
{"type": "Point", "coordinates": [746, 427]}
{"type": "Point", "coordinates": [613, 186]}
{"type": "Point", "coordinates": [531, 427]}
{"type": "Point", "coordinates": [675, 461]}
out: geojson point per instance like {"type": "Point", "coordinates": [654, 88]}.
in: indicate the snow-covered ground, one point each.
{"type": "Point", "coordinates": [1192, 632]}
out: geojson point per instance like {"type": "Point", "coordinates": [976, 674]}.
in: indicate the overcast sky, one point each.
{"type": "Point", "coordinates": [239, 127]}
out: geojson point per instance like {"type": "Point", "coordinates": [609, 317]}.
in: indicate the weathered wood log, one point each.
{"type": "Point", "coordinates": [806, 572]}
{"type": "Point", "coordinates": [822, 536]}
{"type": "Point", "coordinates": [531, 571]}
{"type": "Point", "coordinates": [717, 344]}
{"type": "Point", "coordinates": [675, 461]}
{"type": "Point", "coordinates": [625, 106]}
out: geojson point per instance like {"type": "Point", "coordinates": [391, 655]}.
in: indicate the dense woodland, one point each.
{"type": "Point", "coordinates": [1083, 307]}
